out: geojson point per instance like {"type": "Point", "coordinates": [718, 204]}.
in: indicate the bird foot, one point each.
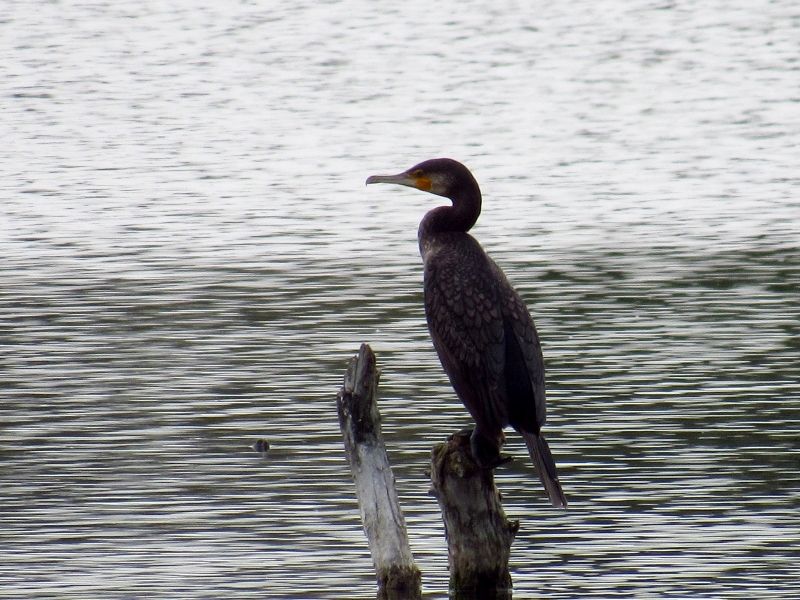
{"type": "Point", "coordinates": [485, 455]}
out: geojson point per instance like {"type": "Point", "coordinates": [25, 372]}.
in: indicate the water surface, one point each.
{"type": "Point", "coordinates": [190, 256]}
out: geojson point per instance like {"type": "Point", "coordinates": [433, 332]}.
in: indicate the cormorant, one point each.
{"type": "Point", "coordinates": [479, 324]}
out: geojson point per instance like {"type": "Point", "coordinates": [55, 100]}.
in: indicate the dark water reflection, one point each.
{"type": "Point", "coordinates": [130, 404]}
{"type": "Point", "coordinates": [188, 258]}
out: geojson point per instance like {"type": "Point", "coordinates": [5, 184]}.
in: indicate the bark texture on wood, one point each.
{"type": "Point", "coordinates": [384, 524]}
{"type": "Point", "coordinates": [479, 535]}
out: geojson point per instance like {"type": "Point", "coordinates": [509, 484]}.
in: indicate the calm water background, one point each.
{"type": "Point", "coordinates": [189, 256]}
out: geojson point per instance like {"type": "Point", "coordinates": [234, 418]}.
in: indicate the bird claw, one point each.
{"type": "Point", "coordinates": [490, 463]}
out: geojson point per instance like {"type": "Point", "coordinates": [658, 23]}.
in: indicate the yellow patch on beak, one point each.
{"type": "Point", "coordinates": [423, 183]}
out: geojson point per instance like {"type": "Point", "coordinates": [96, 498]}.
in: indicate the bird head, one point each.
{"type": "Point", "coordinates": [440, 176]}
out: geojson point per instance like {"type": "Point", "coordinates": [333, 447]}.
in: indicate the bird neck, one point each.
{"type": "Point", "coordinates": [458, 218]}
{"type": "Point", "coordinates": [461, 216]}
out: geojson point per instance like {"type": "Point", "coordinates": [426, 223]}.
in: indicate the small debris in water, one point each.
{"type": "Point", "coordinates": [261, 445]}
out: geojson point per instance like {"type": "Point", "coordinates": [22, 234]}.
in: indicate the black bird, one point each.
{"type": "Point", "coordinates": [479, 324]}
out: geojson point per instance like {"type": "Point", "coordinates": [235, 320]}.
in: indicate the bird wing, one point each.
{"type": "Point", "coordinates": [466, 324]}
{"type": "Point", "coordinates": [521, 323]}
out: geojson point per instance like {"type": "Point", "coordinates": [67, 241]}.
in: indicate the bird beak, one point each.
{"type": "Point", "coordinates": [419, 182]}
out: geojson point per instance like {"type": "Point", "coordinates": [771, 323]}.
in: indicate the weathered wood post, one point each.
{"type": "Point", "coordinates": [384, 524]}
{"type": "Point", "coordinates": [478, 533]}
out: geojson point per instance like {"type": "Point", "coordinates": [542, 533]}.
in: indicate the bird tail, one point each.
{"type": "Point", "coordinates": [545, 466]}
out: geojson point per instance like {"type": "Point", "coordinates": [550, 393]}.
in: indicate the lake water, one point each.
{"type": "Point", "coordinates": [189, 256]}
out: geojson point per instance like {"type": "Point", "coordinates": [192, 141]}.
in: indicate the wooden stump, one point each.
{"type": "Point", "coordinates": [384, 524]}
{"type": "Point", "coordinates": [479, 535]}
